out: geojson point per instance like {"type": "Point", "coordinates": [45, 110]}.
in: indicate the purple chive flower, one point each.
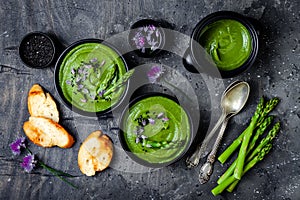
{"type": "Point", "coordinates": [137, 140]}
{"type": "Point", "coordinates": [93, 96]}
{"type": "Point", "coordinates": [144, 137]}
{"type": "Point", "coordinates": [86, 71]}
{"type": "Point", "coordinates": [78, 78]}
{"type": "Point", "coordinates": [144, 122]}
{"type": "Point", "coordinates": [139, 130]}
{"type": "Point", "coordinates": [83, 100]}
{"type": "Point", "coordinates": [165, 119]}
{"type": "Point", "coordinates": [151, 121]}
{"type": "Point", "coordinates": [146, 28]}
{"type": "Point", "coordinates": [72, 71]}
{"type": "Point", "coordinates": [154, 73]}
{"type": "Point", "coordinates": [85, 91]}
{"type": "Point", "coordinates": [80, 86]}
{"type": "Point", "coordinates": [160, 115]}
{"type": "Point", "coordinates": [68, 82]}
{"type": "Point", "coordinates": [93, 60]}
{"type": "Point", "coordinates": [152, 27]}
{"type": "Point", "coordinates": [153, 45]}
{"type": "Point", "coordinates": [140, 43]}
{"type": "Point", "coordinates": [17, 145]}
{"type": "Point", "coordinates": [80, 71]}
{"type": "Point", "coordinates": [28, 163]}
{"type": "Point", "coordinates": [88, 66]}
{"type": "Point", "coordinates": [83, 78]}
{"type": "Point", "coordinates": [147, 37]}
{"type": "Point", "coordinates": [101, 93]}
{"type": "Point", "coordinates": [102, 63]}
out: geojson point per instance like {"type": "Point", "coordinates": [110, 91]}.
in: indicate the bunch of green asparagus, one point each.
{"type": "Point", "coordinates": [250, 152]}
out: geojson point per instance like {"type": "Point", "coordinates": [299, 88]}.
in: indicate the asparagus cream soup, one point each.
{"type": "Point", "coordinates": [228, 42]}
{"type": "Point", "coordinates": [88, 74]}
{"type": "Point", "coordinates": [156, 129]}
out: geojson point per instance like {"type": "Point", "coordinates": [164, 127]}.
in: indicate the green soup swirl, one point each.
{"type": "Point", "coordinates": [228, 42]}
{"type": "Point", "coordinates": [87, 72]}
{"type": "Point", "coordinates": [156, 130]}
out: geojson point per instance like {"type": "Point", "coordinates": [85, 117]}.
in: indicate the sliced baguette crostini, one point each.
{"type": "Point", "coordinates": [95, 153]}
{"type": "Point", "coordinates": [41, 104]}
{"type": "Point", "coordinates": [47, 133]}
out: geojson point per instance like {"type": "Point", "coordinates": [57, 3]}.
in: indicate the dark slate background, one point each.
{"type": "Point", "coordinates": [275, 73]}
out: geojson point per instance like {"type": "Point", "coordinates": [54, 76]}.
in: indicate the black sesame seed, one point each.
{"type": "Point", "coordinates": [37, 51]}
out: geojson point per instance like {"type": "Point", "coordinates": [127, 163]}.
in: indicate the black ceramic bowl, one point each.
{"type": "Point", "coordinates": [147, 37]}
{"type": "Point", "coordinates": [195, 59]}
{"type": "Point", "coordinates": [37, 50]}
{"type": "Point", "coordinates": [157, 161]}
{"type": "Point", "coordinates": [73, 68]}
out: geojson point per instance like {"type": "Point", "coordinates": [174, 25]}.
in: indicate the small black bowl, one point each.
{"type": "Point", "coordinates": [147, 37]}
{"type": "Point", "coordinates": [60, 91]}
{"type": "Point", "coordinates": [196, 58]}
{"type": "Point", "coordinates": [124, 144]}
{"type": "Point", "coordinates": [37, 50]}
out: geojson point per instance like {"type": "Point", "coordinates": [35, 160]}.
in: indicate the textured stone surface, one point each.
{"type": "Point", "coordinates": [275, 73]}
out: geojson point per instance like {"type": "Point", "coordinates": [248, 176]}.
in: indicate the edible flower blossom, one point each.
{"type": "Point", "coordinates": [155, 73]}
{"type": "Point", "coordinates": [141, 42]}
{"type": "Point", "coordinates": [160, 115]}
{"type": "Point", "coordinates": [145, 120]}
{"type": "Point", "coordinates": [137, 140]}
{"type": "Point", "coordinates": [83, 100]}
{"type": "Point", "coordinates": [165, 119]}
{"type": "Point", "coordinates": [152, 27]}
{"type": "Point", "coordinates": [94, 60]}
{"type": "Point", "coordinates": [151, 121]}
{"type": "Point", "coordinates": [17, 145]}
{"type": "Point", "coordinates": [147, 37]}
{"type": "Point", "coordinates": [101, 93]}
{"type": "Point", "coordinates": [30, 161]}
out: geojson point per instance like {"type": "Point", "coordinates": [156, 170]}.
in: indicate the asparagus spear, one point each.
{"type": "Point", "coordinates": [270, 105]}
{"type": "Point", "coordinates": [256, 119]}
{"type": "Point", "coordinates": [267, 140]}
{"type": "Point", "coordinates": [120, 82]}
{"type": "Point", "coordinates": [110, 73]}
{"type": "Point", "coordinates": [221, 187]}
{"type": "Point", "coordinates": [162, 145]}
{"type": "Point", "coordinates": [235, 144]}
{"type": "Point", "coordinates": [260, 130]}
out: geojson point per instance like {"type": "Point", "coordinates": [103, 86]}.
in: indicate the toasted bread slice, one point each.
{"type": "Point", "coordinates": [47, 133]}
{"type": "Point", "coordinates": [41, 104]}
{"type": "Point", "coordinates": [95, 153]}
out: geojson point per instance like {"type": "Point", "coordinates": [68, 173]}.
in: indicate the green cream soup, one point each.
{"type": "Point", "coordinates": [228, 42]}
{"type": "Point", "coordinates": [88, 73]}
{"type": "Point", "coordinates": [156, 130]}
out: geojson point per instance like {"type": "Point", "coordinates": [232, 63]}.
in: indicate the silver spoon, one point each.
{"type": "Point", "coordinates": [232, 101]}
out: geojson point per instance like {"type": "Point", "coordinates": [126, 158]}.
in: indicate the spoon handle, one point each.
{"type": "Point", "coordinates": [207, 168]}
{"type": "Point", "coordinates": [202, 150]}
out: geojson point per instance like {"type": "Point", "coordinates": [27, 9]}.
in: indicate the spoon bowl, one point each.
{"type": "Point", "coordinates": [234, 99]}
